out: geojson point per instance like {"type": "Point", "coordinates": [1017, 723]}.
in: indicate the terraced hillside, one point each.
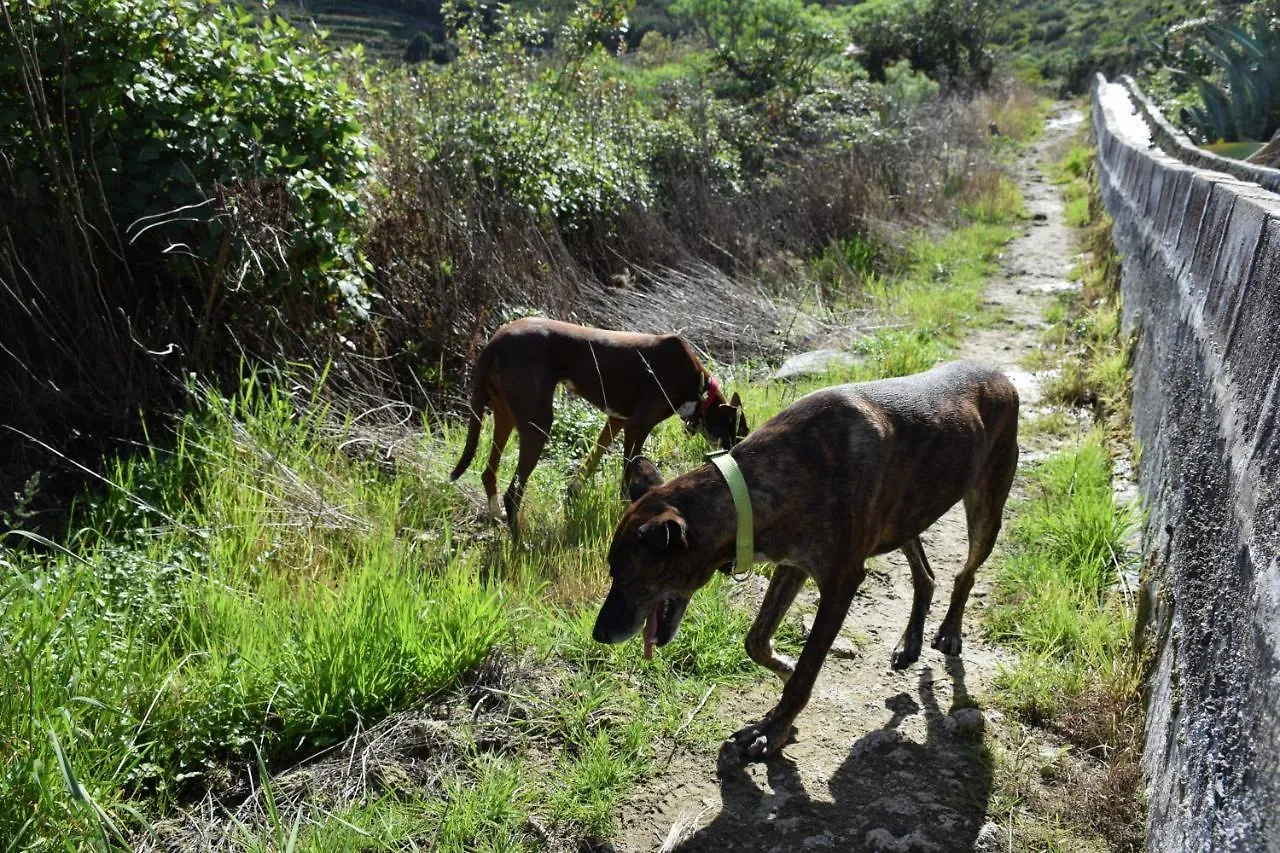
{"type": "Point", "coordinates": [384, 27]}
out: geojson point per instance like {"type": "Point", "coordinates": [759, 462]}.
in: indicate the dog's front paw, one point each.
{"type": "Point", "coordinates": [906, 654]}
{"type": "Point", "coordinates": [759, 741]}
{"type": "Point", "coordinates": [948, 643]}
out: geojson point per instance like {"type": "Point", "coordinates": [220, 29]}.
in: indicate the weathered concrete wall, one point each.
{"type": "Point", "coordinates": [1201, 286]}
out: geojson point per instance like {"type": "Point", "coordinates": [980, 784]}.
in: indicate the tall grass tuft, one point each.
{"type": "Point", "coordinates": [1059, 593]}
{"type": "Point", "coordinates": [270, 603]}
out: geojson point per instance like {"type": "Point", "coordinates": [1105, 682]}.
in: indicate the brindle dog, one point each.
{"type": "Point", "coordinates": [637, 380]}
{"type": "Point", "coordinates": [842, 474]}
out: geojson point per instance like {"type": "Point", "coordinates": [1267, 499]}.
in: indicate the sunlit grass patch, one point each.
{"type": "Point", "coordinates": [1055, 422]}
{"type": "Point", "coordinates": [1056, 587]}
{"type": "Point", "coordinates": [1074, 165]}
{"type": "Point", "coordinates": [940, 292]}
{"type": "Point", "coordinates": [990, 197]}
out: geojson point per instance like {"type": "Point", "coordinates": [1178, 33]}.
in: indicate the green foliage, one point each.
{"type": "Point", "coordinates": [1055, 588]}
{"type": "Point", "coordinates": [1088, 322]}
{"type": "Point", "coordinates": [764, 44]}
{"type": "Point", "coordinates": [486, 813]}
{"type": "Point", "coordinates": [1074, 165]}
{"type": "Point", "coordinates": [156, 645]}
{"type": "Point", "coordinates": [1248, 107]}
{"type": "Point", "coordinates": [904, 91]}
{"type": "Point", "coordinates": [939, 293]}
{"type": "Point", "coordinates": [941, 38]}
{"type": "Point", "coordinates": [1065, 42]}
{"type": "Point", "coordinates": [178, 122]}
{"type": "Point", "coordinates": [559, 139]}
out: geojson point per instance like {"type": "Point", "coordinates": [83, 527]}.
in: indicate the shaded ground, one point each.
{"type": "Point", "coordinates": [884, 760]}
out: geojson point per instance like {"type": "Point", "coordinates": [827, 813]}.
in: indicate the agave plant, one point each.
{"type": "Point", "coordinates": [1248, 108]}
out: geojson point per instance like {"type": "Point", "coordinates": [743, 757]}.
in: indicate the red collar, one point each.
{"type": "Point", "coordinates": [712, 394]}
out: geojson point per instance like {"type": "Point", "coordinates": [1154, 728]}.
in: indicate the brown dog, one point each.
{"type": "Point", "coordinates": [637, 380]}
{"type": "Point", "coordinates": [842, 474]}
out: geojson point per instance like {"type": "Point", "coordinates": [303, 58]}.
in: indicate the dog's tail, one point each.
{"type": "Point", "coordinates": [479, 399]}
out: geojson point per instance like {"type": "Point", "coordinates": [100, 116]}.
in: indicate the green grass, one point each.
{"type": "Point", "coordinates": [1055, 586]}
{"type": "Point", "coordinates": [1060, 602]}
{"type": "Point", "coordinates": [939, 297]}
{"type": "Point", "coordinates": [1073, 174]}
{"type": "Point", "coordinates": [1056, 594]}
{"type": "Point", "coordinates": [1087, 324]}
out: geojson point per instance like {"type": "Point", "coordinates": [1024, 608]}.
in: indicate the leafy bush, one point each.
{"type": "Point", "coordinates": [942, 38]}
{"type": "Point", "coordinates": [168, 119]}
{"type": "Point", "coordinates": [180, 186]}
{"type": "Point", "coordinates": [764, 44]}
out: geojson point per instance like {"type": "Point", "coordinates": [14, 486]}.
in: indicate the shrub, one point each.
{"type": "Point", "coordinates": [764, 44]}
{"type": "Point", "coordinates": [172, 169]}
{"type": "Point", "coordinates": [168, 119]}
{"type": "Point", "coordinates": [946, 39]}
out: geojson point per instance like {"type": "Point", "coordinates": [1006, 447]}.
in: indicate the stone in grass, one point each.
{"type": "Point", "coordinates": [990, 839]}
{"type": "Point", "coordinates": [965, 723]}
{"type": "Point", "coordinates": [883, 841]}
{"type": "Point", "coordinates": [815, 363]}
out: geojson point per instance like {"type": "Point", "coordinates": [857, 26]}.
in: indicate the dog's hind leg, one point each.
{"type": "Point", "coordinates": [983, 506]}
{"type": "Point", "coordinates": [783, 587]}
{"type": "Point", "coordinates": [533, 437]}
{"type": "Point", "coordinates": [502, 425]}
{"type": "Point", "coordinates": [908, 650]}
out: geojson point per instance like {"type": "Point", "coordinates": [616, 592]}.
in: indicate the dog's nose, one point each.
{"type": "Point", "coordinates": [612, 623]}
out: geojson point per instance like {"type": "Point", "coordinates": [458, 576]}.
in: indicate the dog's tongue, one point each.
{"type": "Point", "coordinates": [651, 631]}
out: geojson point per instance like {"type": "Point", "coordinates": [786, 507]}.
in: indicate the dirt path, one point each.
{"type": "Point", "coordinates": [883, 760]}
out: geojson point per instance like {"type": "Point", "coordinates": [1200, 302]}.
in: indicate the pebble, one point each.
{"type": "Point", "coordinates": [965, 723]}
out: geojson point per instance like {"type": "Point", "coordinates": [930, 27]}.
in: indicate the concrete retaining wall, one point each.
{"type": "Point", "coordinates": [1178, 145]}
{"type": "Point", "coordinates": [1201, 286]}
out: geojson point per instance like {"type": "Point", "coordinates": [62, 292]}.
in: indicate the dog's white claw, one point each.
{"type": "Point", "coordinates": [758, 746]}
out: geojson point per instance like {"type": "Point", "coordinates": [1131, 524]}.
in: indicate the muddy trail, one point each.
{"type": "Point", "coordinates": [884, 760]}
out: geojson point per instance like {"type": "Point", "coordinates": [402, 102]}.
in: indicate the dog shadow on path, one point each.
{"type": "Point", "coordinates": [890, 793]}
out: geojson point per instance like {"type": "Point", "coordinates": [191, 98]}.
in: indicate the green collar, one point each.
{"type": "Point", "coordinates": [742, 503]}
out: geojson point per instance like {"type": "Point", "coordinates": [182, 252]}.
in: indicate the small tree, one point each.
{"type": "Point", "coordinates": [942, 38]}
{"type": "Point", "coordinates": [418, 49]}
{"type": "Point", "coordinates": [764, 44]}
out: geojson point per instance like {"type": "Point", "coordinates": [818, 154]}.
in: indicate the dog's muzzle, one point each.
{"type": "Point", "coordinates": [619, 621]}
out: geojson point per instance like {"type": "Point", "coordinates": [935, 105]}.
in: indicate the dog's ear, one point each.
{"type": "Point", "coordinates": [736, 401]}
{"type": "Point", "coordinates": [667, 532]}
{"type": "Point", "coordinates": [642, 475]}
